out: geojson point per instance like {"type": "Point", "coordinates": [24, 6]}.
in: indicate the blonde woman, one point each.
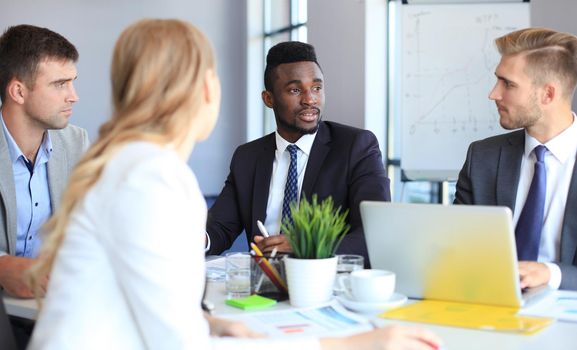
{"type": "Point", "coordinates": [125, 252]}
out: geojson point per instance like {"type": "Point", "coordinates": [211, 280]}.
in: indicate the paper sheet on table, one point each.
{"type": "Point", "coordinates": [327, 320]}
{"type": "Point", "coordinates": [561, 306]}
{"type": "Point", "coordinates": [474, 316]}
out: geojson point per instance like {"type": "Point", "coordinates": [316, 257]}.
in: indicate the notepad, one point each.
{"type": "Point", "coordinates": [253, 302]}
{"type": "Point", "coordinates": [476, 316]}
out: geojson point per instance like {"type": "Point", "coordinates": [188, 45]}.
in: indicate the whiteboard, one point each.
{"type": "Point", "coordinates": [444, 71]}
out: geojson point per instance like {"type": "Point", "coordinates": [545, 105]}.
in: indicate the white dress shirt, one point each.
{"type": "Point", "coordinates": [559, 162]}
{"type": "Point", "coordinates": [130, 270]}
{"type": "Point", "coordinates": [278, 179]}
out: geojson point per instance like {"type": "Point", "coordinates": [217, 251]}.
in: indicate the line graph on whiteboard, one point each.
{"type": "Point", "coordinates": [451, 98]}
{"type": "Point", "coordinates": [445, 72]}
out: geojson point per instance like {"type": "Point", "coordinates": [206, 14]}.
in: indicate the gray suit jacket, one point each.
{"type": "Point", "coordinates": [490, 177]}
{"type": "Point", "coordinates": [68, 145]}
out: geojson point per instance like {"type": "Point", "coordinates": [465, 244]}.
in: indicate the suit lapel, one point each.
{"type": "Point", "coordinates": [263, 173]}
{"type": "Point", "coordinates": [569, 229]}
{"type": "Point", "coordinates": [8, 194]}
{"type": "Point", "coordinates": [509, 170]}
{"type": "Point", "coordinates": [57, 168]}
{"type": "Point", "coordinates": [319, 151]}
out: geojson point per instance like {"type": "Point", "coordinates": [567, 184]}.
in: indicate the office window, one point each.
{"type": "Point", "coordinates": [284, 20]}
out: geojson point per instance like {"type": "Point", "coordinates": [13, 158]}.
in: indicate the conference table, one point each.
{"type": "Point", "coordinates": [559, 335]}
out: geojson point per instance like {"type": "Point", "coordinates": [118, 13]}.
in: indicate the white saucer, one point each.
{"type": "Point", "coordinates": [359, 306]}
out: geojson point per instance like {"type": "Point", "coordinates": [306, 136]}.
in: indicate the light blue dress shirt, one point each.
{"type": "Point", "coordinates": [32, 193]}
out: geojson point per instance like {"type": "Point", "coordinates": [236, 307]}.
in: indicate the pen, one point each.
{"type": "Point", "coordinates": [276, 279]}
{"type": "Point", "coordinates": [267, 269]}
{"type": "Point", "coordinates": [273, 253]}
{"type": "Point", "coordinates": [262, 229]}
{"type": "Point", "coordinates": [256, 249]}
{"type": "Point", "coordinates": [261, 279]}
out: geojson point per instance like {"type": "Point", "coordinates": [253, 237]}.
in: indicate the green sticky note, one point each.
{"type": "Point", "coordinates": [253, 302]}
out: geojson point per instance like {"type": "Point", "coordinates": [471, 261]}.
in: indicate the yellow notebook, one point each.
{"type": "Point", "coordinates": [475, 316]}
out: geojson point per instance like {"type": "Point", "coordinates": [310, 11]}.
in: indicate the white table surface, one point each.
{"type": "Point", "coordinates": [560, 335]}
{"type": "Point", "coordinates": [25, 308]}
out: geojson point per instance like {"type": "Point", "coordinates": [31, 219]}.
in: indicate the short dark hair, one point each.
{"type": "Point", "coordinates": [287, 52]}
{"type": "Point", "coordinates": [23, 47]}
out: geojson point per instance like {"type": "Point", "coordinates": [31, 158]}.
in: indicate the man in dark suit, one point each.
{"type": "Point", "coordinates": [332, 160]}
{"type": "Point", "coordinates": [532, 170]}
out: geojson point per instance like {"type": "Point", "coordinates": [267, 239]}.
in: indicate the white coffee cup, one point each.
{"type": "Point", "coordinates": [369, 286]}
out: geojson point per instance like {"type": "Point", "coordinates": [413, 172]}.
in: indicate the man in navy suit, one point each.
{"type": "Point", "coordinates": [536, 81]}
{"type": "Point", "coordinates": [332, 160]}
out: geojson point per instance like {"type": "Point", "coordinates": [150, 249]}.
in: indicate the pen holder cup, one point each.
{"type": "Point", "coordinates": [262, 284]}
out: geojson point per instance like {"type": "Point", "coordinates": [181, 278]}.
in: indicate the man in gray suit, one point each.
{"type": "Point", "coordinates": [38, 148]}
{"type": "Point", "coordinates": [532, 170]}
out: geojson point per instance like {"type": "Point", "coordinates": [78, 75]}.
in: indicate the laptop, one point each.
{"type": "Point", "coordinates": [458, 253]}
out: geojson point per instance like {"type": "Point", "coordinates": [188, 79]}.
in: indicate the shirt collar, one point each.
{"type": "Point", "coordinates": [561, 146]}
{"type": "Point", "coordinates": [44, 152]}
{"type": "Point", "coordinates": [305, 143]}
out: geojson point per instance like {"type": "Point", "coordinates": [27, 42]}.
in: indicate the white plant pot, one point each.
{"type": "Point", "coordinates": [310, 281]}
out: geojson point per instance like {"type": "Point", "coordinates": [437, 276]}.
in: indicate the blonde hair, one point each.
{"type": "Point", "coordinates": [548, 54]}
{"type": "Point", "coordinates": [158, 72]}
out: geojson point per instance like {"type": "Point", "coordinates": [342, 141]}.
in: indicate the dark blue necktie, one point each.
{"type": "Point", "coordinates": [530, 224]}
{"type": "Point", "coordinates": [291, 188]}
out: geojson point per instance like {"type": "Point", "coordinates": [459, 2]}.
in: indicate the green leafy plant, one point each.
{"type": "Point", "coordinates": [316, 230]}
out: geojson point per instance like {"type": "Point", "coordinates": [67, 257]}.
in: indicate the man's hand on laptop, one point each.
{"type": "Point", "coordinates": [533, 274]}
{"type": "Point", "coordinates": [266, 245]}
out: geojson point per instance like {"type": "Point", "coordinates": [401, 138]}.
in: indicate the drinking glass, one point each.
{"type": "Point", "coordinates": [237, 279]}
{"type": "Point", "coordinates": [346, 264]}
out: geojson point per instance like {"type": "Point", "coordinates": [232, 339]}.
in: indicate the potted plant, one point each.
{"type": "Point", "coordinates": [315, 232]}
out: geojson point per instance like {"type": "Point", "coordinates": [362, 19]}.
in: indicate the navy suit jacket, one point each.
{"type": "Point", "coordinates": [344, 163]}
{"type": "Point", "coordinates": [490, 176]}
